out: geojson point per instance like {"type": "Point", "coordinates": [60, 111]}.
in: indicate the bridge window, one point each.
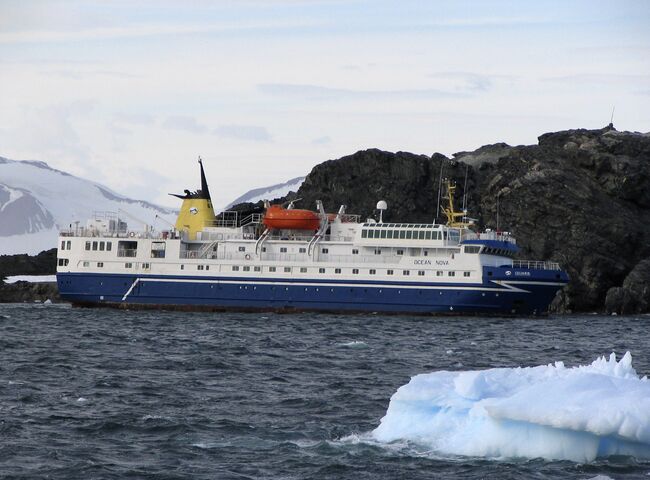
{"type": "Point", "coordinates": [383, 233]}
{"type": "Point", "coordinates": [109, 246]}
{"type": "Point", "coordinates": [409, 234]}
{"type": "Point", "coordinates": [421, 235]}
{"type": "Point", "coordinates": [428, 235]}
{"type": "Point", "coordinates": [389, 234]}
{"type": "Point", "coordinates": [364, 233]}
{"type": "Point", "coordinates": [402, 234]}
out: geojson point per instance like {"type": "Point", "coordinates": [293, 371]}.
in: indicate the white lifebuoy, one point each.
{"type": "Point", "coordinates": [247, 256]}
{"type": "Point", "coordinates": [131, 234]}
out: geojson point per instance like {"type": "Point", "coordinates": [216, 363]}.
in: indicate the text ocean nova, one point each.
{"type": "Point", "coordinates": [291, 259]}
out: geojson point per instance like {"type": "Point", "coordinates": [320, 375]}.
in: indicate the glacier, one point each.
{"type": "Point", "coordinates": [551, 411]}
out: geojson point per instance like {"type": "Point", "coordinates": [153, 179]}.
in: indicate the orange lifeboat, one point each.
{"type": "Point", "coordinates": [280, 218]}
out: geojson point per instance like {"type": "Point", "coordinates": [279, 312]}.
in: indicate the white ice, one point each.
{"type": "Point", "coordinates": [552, 412]}
{"type": "Point", "coordinates": [30, 278]}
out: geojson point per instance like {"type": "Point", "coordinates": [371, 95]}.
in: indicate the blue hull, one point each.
{"type": "Point", "coordinates": [500, 294]}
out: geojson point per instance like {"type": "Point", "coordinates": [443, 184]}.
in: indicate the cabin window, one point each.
{"type": "Point", "coordinates": [373, 271]}
{"type": "Point", "coordinates": [87, 245]}
{"type": "Point", "coordinates": [241, 249]}
{"type": "Point", "coordinates": [421, 273]}
{"type": "Point", "coordinates": [451, 273]}
{"type": "Point", "coordinates": [466, 274]}
{"type": "Point", "coordinates": [406, 272]}
{"type": "Point", "coordinates": [399, 252]}
{"type": "Point", "coordinates": [302, 250]}
{"type": "Point", "coordinates": [283, 249]}
{"type": "Point", "coordinates": [271, 269]}
{"type": "Point", "coordinates": [321, 270]}
{"type": "Point", "coordinates": [472, 249]}
{"type": "Point", "coordinates": [324, 250]}
{"type": "Point", "coordinates": [263, 249]}
{"type": "Point", "coordinates": [425, 253]}
{"type": "Point", "coordinates": [100, 264]}
{"type": "Point", "coordinates": [182, 267]}
{"type": "Point", "coordinates": [257, 269]}
{"type": "Point", "coordinates": [235, 268]}
{"type": "Point", "coordinates": [127, 248]}
{"type": "Point", "coordinates": [439, 273]}
{"type": "Point", "coordinates": [355, 251]}
{"type": "Point", "coordinates": [86, 264]}
{"type": "Point", "coordinates": [109, 246]}
{"type": "Point", "coordinates": [377, 251]}
{"type": "Point", "coordinates": [337, 270]}
{"type": "Point", "coordinates": [128, 265]}
{"type": "Point", "coordinates": [364, 233]}
{"type": "Point", "coordinates": [199, 267]}
{"type": "Point", "coordinates": [247, 268]}
{"type": "Point", "coordinates": [389, 272]}
{"type": "Point", "coordinates": [62, 244]}
{"type": "Point", "coordinates": [94, 245]}
{"type": "Point", "coordinates": [146, 266]}
{"type": "Point", "coordinates": [287, 269]}
{"type": "Point", "coordinates": [157, 249]}
{"type": "Point", "coordinates": [303, 269]}
{"type": "Point", "coordinates": [355, 271]}
{"type": "Point", "coordinates": [207, 267]}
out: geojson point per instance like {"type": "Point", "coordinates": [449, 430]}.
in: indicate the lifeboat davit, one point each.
{"type": "Point", "coordinates": [280, 218]}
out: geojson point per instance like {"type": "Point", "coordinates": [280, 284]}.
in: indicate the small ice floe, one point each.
{"type": "Point", "coordinates": [551, 411]}
{"type": "Point", "coordinates": [81, 400]}
{"type": "Point", "coordinates": [47, 302]}
{"type": "Point", "coordinates": [354, 344]}
{"type": "Point", "coordinates": [449, 352]}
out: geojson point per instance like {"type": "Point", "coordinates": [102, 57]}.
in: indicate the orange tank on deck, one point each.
{"type": "Point", "coordinates": [280, 218]}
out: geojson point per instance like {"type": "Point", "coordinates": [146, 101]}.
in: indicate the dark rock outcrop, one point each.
{"type": "Point", "coordinates": [579, 197]}
{"type": "Point", "coordinates": [42, 264]}
{"type": "Point", "coordinates": [634, 295]}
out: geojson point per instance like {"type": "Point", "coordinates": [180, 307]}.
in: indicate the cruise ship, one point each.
{"type": "Point", "coordinates": [290, 259]}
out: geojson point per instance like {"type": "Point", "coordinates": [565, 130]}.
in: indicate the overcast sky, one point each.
{"type": "Point", "coordinates": [129, 93]}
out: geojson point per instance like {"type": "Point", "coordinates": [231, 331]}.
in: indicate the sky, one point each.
{"type": "Point", "coordinates": [130, 93]}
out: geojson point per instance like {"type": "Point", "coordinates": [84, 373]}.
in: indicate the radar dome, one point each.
{"type": "Point", "coordinates": [382, 205]}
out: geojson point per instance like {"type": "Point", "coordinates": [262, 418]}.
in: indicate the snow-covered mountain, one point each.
{"type": "Point", "coordinates": [269, 193]}
{"type": "Point", "coordinates": [36, 200]}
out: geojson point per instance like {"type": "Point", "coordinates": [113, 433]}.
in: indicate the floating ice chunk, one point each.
{"type": "Point", "coordinates": [354, 344]}
{"type": "Point", "coordinates": [551, 411]}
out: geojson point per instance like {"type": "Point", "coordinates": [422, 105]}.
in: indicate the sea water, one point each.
{"type": "Point", "coordinates": [88, 393]}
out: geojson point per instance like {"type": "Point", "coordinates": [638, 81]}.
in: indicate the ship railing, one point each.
{"type": "Point", "coordinates": [93, 232]}
{"type": "Point", "coordinates": [298, 257]}
{"type": "Point", "coordinates": [535, 265]}
{"type": "Point", "coordinates": [252, 219]}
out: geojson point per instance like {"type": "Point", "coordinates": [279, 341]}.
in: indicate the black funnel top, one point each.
{"type": "Point", "coordinates": [204, 193]}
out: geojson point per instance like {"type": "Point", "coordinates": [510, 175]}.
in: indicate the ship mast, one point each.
{"type": "Point", "coordinates": [454, 218]}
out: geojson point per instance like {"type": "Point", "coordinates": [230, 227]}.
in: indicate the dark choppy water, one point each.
{"type": "Point", "coordinates": [114, 394]}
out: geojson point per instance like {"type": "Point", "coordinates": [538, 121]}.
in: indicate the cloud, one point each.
{"type": "Point", "coordinates": [601, 78]}
{"type": "Point", "coordinates": [133, 118]}
{"type": "Point", "coordinates": [243, 132]}
{"type": "Point", "coordinates": [317, 92]}
{"type": "Point", "coordinates": [185, 123]}
{"type": "Point", "coordinates": [321, 140]}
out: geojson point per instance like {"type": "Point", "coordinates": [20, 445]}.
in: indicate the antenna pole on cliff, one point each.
{"type": "Point", "coordinates": [498, 194]}
{"type": "Point", "coordinates": [465, 189]}
{"type": "Point", "coordinates": [611, 119]}
{"type": "Point", "coordinates": [439, 191]}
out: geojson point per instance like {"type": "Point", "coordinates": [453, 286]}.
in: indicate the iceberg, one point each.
{"type": "Point", "coordinates": [552, 412]}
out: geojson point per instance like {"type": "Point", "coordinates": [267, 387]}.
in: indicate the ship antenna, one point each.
{"type": "Point", "coordinates": [442, 163]}
{"type": "Point", "coordinates": [498, 194]}
{"type": "Point", "coordinates": [611, 119]}
{"type": "Point", "coordinates": [465, 189]}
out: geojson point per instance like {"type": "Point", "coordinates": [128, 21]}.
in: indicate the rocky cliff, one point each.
{"type": "Point", "coordinates": [579, 197]}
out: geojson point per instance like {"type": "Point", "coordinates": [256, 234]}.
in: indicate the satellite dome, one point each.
{"type": "Point", "coordinates": [382, 205]}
